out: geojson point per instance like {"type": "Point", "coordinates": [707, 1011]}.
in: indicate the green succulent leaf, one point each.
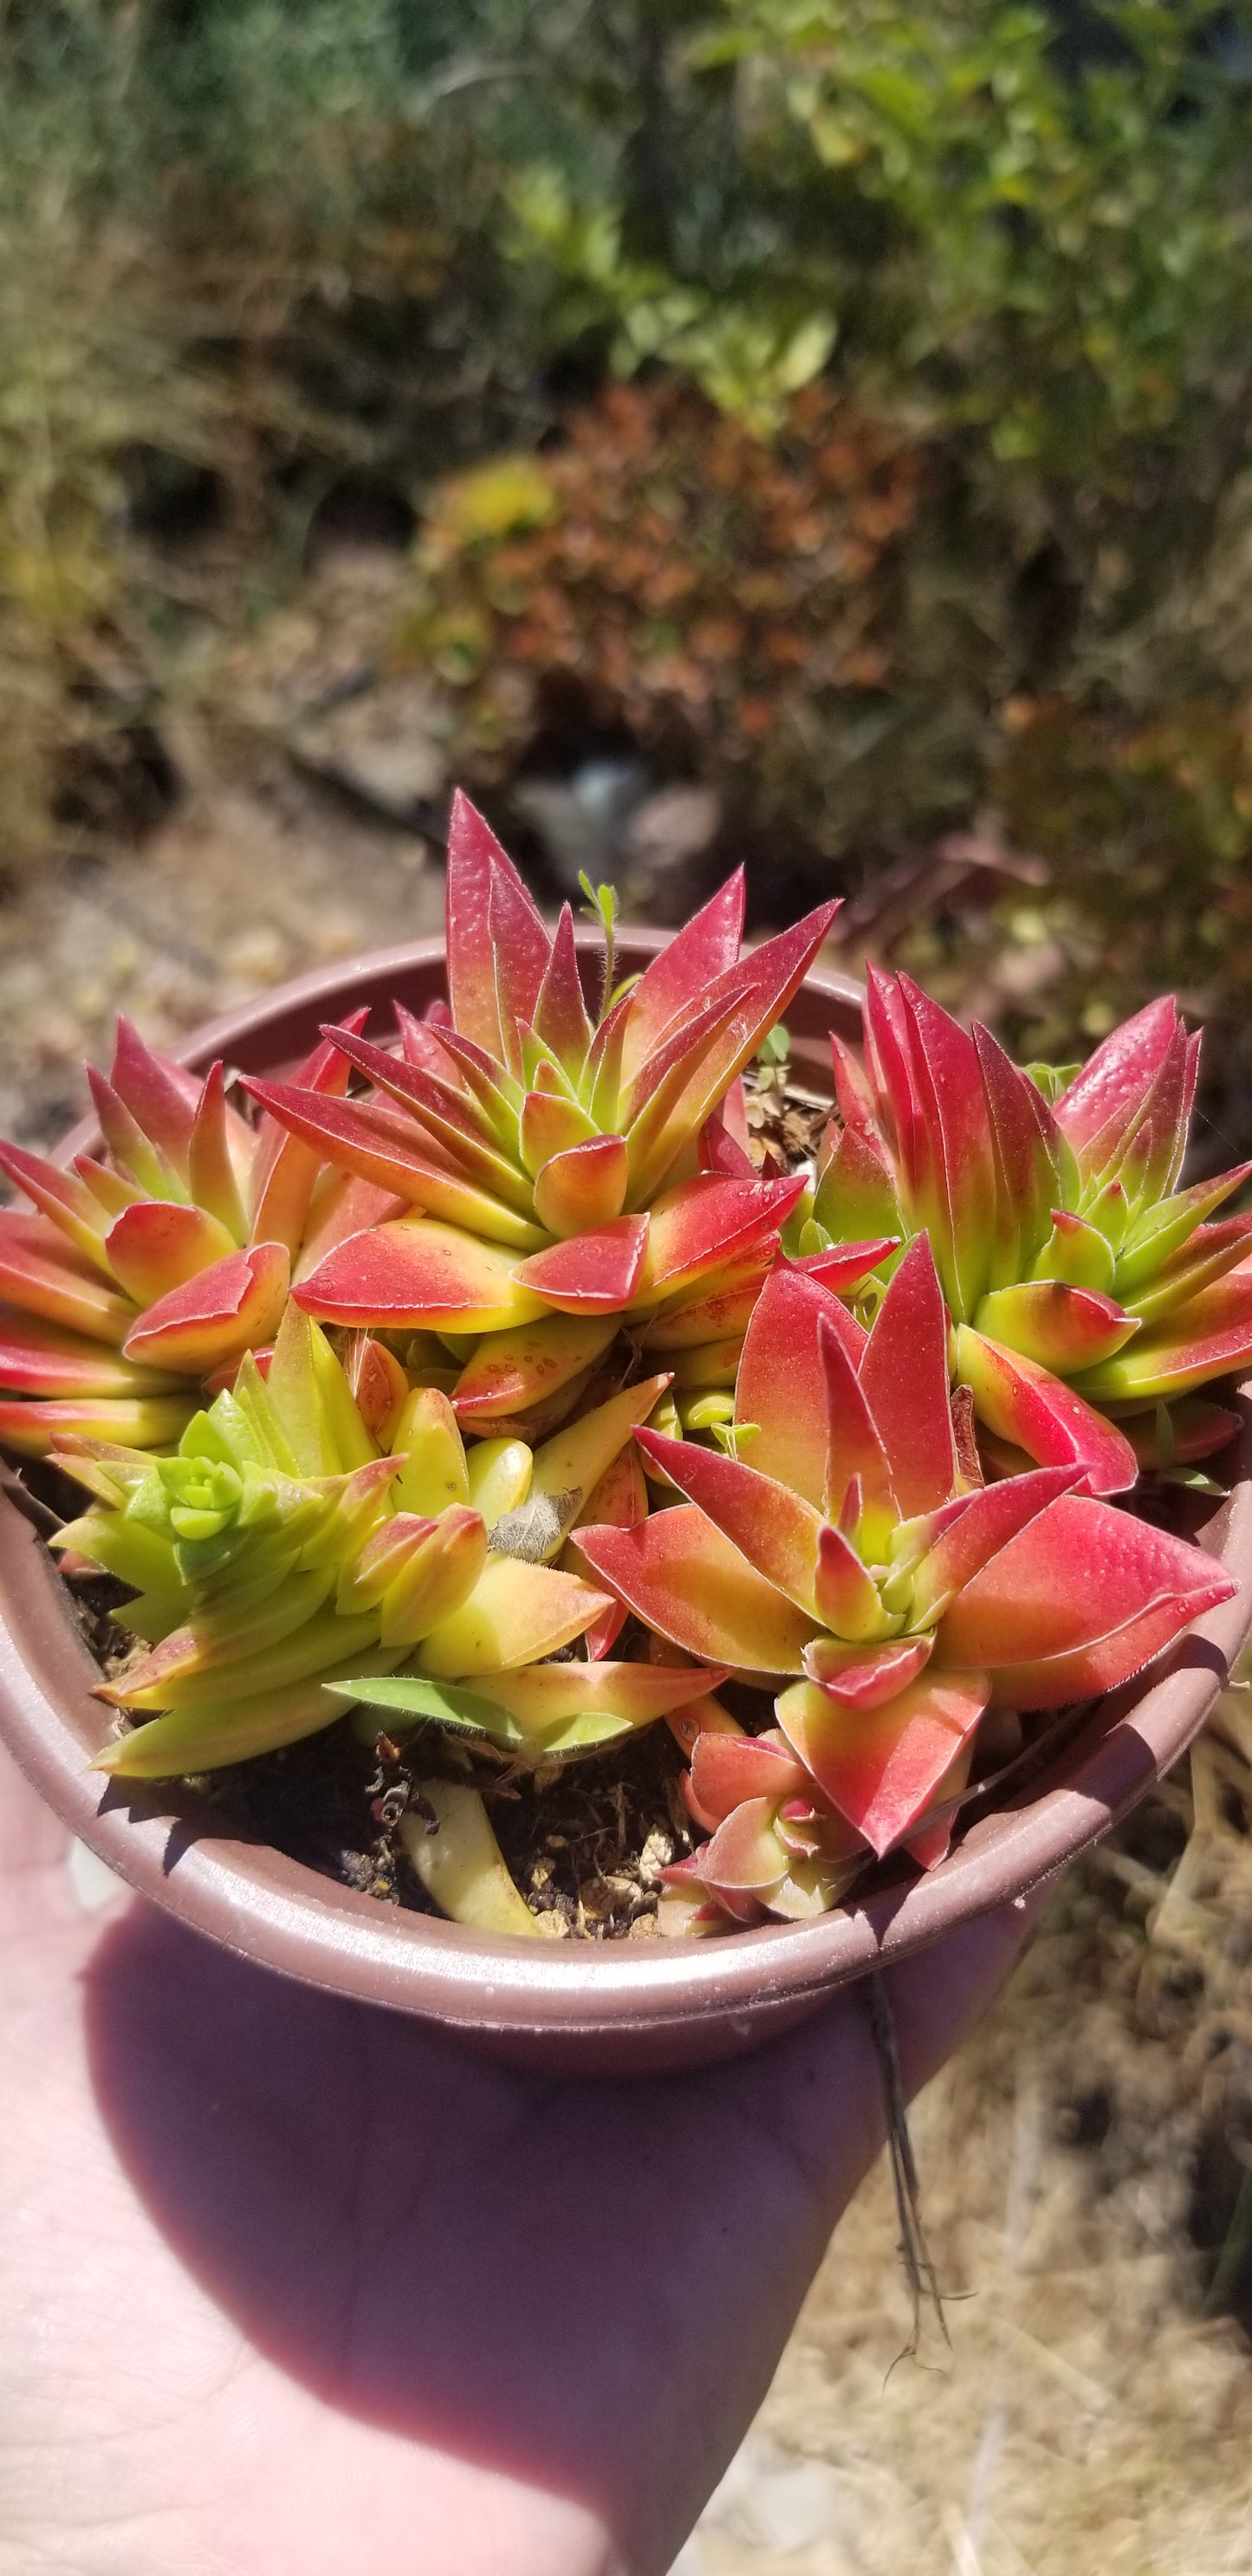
{"type": "Point", "coordinates": [411, 1696]}
{"type": "Point", "coordinates": [412, 1700]}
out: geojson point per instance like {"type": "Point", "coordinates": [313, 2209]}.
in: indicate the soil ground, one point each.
{"type": "Point", "coordinates": [1081, 2162]}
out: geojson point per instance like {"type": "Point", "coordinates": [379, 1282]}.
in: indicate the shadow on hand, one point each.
{"type": "Point", "coordinates": [584, 2285]}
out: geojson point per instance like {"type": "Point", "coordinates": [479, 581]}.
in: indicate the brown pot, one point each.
{"type": "Point", "coordinates": [600, 2008]}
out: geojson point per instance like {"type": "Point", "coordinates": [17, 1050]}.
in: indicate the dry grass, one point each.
{"type": "Point", "coordinates": [1095, 2409]}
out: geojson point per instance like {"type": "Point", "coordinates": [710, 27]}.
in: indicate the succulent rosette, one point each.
{"type": "Point", "coordinates": [1082, 1282]}
{"type": "Point", "coordinates": [156, 1264]}
{"type": "Point", "coordinates": [566, 1172]}
{"type": "Point", "coordinates": [282, 1561]}
{"type": "Point", "coordinates": [899, 1600]}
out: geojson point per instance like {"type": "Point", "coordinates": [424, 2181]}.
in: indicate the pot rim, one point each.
{"type": "Point", "coordinates": [170, 1847]}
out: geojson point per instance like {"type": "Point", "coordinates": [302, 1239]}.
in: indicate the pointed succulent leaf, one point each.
{"type": "Point", "coordinates": [1027, 1153]}
{"type": "Point", "coordinates": [1061, 1328]}
{"type": "Point", "coordinates": [659, 1136]}
{"type": "Point", "coordinates": [848, 1599]}
{"type": "Point", "coordinates": [460, 1863]}
{"type": "Point", "coordinates": [1160, 1141]}
{"type": "Point", "coordinates": [284, 1168]}
{"type": "Point", "coordinates": [161, 1097]}
{"type": "Point", "coordinates": [1115, 1079]}
{"type": "Point", "coordinates": [224, 1310]}
{"type": "Point", "coordinates": [976, 1535]}
{"type": "Point", "coordinates": [854, 1093]}
{"type": "Point", "coordinates": [437, 1578]}
{"type": "Point", "coordinates": [726, 1770]}
{"type": "Point", "coordinates": [703, 1314]}
{"type": "Point", "coordinates": [576, 1458]}
{"type": "Point", "coordinates": [319, 1641]}
{"type": "Point", "coordinates": [1209, 1336]}
{"type": "Point", "coordinates": [433, 1473]}
{"type": "Point", "coordinates": [719, 1151]}
{"type": "Point", "coordinates": [904, 1379]}
{"type": "Point", "coordinates": [309, 1408]}
{"type": "Point", "coordinates": [1210, 1253]}
{"type": "Point", "coordinates": [1025, 1404]}
{"type": "Point", "coordinates": [560, 1013]}
{"type": "Point", "coordinates": [141, 1422]}
{"type": "Point", "coordinates": [378, 1385]}
{"type": "Point", "coordinates": [514, 1369]}
{"type": "Point", "coordinates": [854, 1446]}
{"type": "Point", "coordinates": [600, 1088]}
{"type": "Point", "coordinates": [1089, 1671]}
{"type": "Point", "coordinates": [385, 1147]}
{"type": "Point", "coordinates": [475, 858]}
{"type": "Point", "coordinates": [40, 1275]}
{"type": "Point", "coordinates": [137, 1157]}
{"type": "Point", "coordinates": [499, 1474]}
{"type": "Point", "coordinates": [212, 1177]}
{"type": "Point", "coordinates": [1162, 1231]}
{"type": "Point", "coordinates": [584, 1188]}
{"type": "Point", "coordinates": [684, 1579]}
{"type": "Point", "coordinates": [551, 1124]}
{"type": "Point", "coordinates": [844, 1268]}
{"type": "Point", "coordinates": [693, 960]}
{"type": "Point", "coordinates": [39, 1358]}
{"type": "Point", "coordinates": [745, 1856]}
{"type": "Point", "coordinates": [706, 1222]}
{"type": "Point", "coordinates": [1078, 1253]}
{"type": "Point", "coordinates": [619, 1499]}
{"type": "Point", "coordinates": [363, 1497]}
{"type": "Point", "coordinates": [234, 1730]}
{"type": "Point", "coordinates": [777, 970]}
{"type": "Point", "coordinates": [516, 1614]}
{"type": "Point", "coordinates": [415, 1272]}
{"type": "Point", "coordinates": [105, 1188]}
{"type": "Point", "coordinates": [592, 1274]}
{"type": "Point", "coordinates": [522, 952]}
{"type": "Point", "coordinates": [435, 1047]}
{"type": "Point", "coordinates": [63, 1198]}
{"type": "Point", "coordinates": [775, 1529]}
{"type": "Point", "coordinates": [186, 1669]}
{"type": "Point", "coordinates": [647, 1102]}
{"type": "Point", "coordinates": [856, 1195]}
{"type": "Point", "coordinates": [865, 1676]}
{"type": "Point", "coordinates": [781, 1386]}
{"type": "Point", "coordinates": [1076, 1573]}
{"type": "Point", "coordinates": [160, 1244]}
{"type": "Point", "coordinates": [959, 1199]}
{"type": "Point", "coordinates": [882, 1767]}
{"type": "Point", "coordinates": [447, 1121]}
{"type": "Point", "coordinates": [364, 1577]}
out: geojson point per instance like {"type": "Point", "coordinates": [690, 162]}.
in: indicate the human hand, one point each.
{"type": "Point", "coordinates": [287, 2284]}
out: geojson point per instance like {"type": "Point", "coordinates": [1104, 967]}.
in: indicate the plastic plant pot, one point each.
{"type": "Point", "coordinates": [597, 2008]}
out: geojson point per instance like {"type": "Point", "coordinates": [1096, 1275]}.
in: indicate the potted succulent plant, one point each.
{"type": "Point", "coordinates": [506, 1440]}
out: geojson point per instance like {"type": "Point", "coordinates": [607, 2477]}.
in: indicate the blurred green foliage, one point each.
{"type": "Point", "coordinates": [1046, 239]}
{"type": "Point", "coordinates": [250, 247]}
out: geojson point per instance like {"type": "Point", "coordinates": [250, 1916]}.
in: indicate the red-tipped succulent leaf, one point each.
{"type": "Point", "coordinates": [845, 1546]}
{"type": "Point", "coordinates": [1083, 1281]}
